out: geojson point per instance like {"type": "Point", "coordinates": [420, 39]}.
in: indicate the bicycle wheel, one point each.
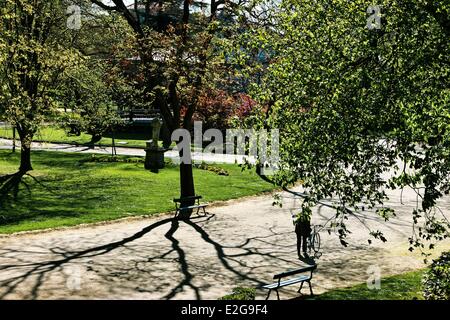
{"type": "Point", "coordinates": [316, 242]}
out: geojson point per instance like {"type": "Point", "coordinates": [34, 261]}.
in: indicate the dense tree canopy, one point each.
{"type": "Point", "coordinates": [360, 107]}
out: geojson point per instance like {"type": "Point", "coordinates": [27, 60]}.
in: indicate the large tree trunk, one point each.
{"type": "Point", "coordinates": [25, 156]}
{"type": "Point", "coordinates": [26, 137]}
{"type": "Point", "coordinates": [95, 139]}
{"type": "Point", "coordinates": [187, 187]}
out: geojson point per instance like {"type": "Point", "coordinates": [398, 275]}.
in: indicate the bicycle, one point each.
{"type": "Point", "coordinates": [314, 240]}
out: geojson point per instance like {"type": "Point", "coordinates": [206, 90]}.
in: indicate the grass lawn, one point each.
{"type": "Point", "coordinates": [405, 286]}
{"type": "Point", "coordinates": [57, 135]}
{"type": "Point", "coordinates": [63, 190]}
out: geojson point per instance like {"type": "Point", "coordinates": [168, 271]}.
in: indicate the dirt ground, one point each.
{"type": "Point", "coordinates": [241, 243]}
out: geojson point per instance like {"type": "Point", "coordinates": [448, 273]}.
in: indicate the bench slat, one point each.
{"type": "Point", "coordinates": [292, 272]}
{"type": "Point", "coordinates": [193, 207]}
{"type": "Point", "coordinates": [287, 282]}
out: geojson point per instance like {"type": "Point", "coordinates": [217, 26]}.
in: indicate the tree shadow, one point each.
{"type": "Point", "coordinates": [33, 274]}
{"type": "Point", "coordinates": [10, 186]}
{"type": "Point", "coordinates": [40, 269]}
{"type": "Point", "coordinates": [17, 203]}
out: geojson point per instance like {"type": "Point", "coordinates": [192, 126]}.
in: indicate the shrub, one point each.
{"type": "Point", "coordinates": [218, 108]}
{"type": "Point", "coordinates": [436, 280]}
{"type": "Point", "coordinates": [240, 293]}
{"type": "Point", "coordinates": [216, 170]}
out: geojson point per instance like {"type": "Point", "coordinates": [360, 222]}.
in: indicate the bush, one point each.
{"type": "Point", "coordinates": [217, 109]}
{"type": "Point", "coordinates": [240, 293]}
{"type": "Point", "coordinates": [115, 159]}
{"type": "Point", "coordinates": [436, 281]}
{"type": "Point", "coordinates": [216, 170]}
{"type": "Point", "coordinates": [121, 159]}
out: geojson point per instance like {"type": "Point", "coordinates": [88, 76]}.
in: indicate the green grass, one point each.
{"type": "Point", "coordinates": [406, 286]}
{"type": "Point", "coordinates": [58, 135]}
{"type": "Point", "coordinates": [63, 190]}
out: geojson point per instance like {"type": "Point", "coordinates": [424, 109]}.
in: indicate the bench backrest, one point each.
{"type": "Point", "coordinates": [292, 272]}
{"type": "Point", "coordinates": [187, 198]}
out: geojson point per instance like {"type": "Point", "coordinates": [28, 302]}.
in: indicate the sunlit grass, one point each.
{"type": "Point", "coordinates": [406, 286]}
{"type": "Point", "coordinates": [64, 190]}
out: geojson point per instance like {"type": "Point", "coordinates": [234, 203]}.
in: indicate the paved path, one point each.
{"type": "Point", "coordinates": [242, 243]}
{"type": "Point", "coordinates": [173, 155]}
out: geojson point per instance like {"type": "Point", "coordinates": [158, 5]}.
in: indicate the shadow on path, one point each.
{"type": "Point", "coordinates": [31, 276]}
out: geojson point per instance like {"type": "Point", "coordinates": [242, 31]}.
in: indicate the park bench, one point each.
{"type": "Point", "coordinates": [196, 199]}
{"type": "Point", "coordinates": [299, 279]}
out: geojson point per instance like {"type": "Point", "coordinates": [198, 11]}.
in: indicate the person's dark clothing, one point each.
{"type": "Point", "coordinates": [303, 231]}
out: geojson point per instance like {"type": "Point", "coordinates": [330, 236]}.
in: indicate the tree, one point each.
{"type": "Point", "coordinates": [103, 81]}
{"type": "Point", "coordinates": [89, 99]}
{"type": "Point", "coordinates": [358, 91]}
{"type": "Point", "coordinates": [32, 58]}
{"type": "Point", "coordinates": [175, 45]}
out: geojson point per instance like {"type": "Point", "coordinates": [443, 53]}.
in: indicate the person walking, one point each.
{"type": "Point", "coordinates": [303, 231]}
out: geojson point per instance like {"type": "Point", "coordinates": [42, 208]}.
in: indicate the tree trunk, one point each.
{"type": "Point", "coordinates": [25, 156]}
{"type": "Point", "coordinates": [187, 187]}
{"type": "Point", "coordinates": [26, 137]}
{"type": "Point", "coordinates": [95, 138]}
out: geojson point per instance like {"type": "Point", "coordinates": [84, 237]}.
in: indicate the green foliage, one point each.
{"type": "Point", "coordinates": [32, 57]}
{"type": "Point", "coordinates": [436, 280]}
{"type": "Point", "coordinates": [354, 103]}
{"type": "Point", "coordinates": [34, 53]}
{"type": "Point", "coordinates": [241, 293]}
{"type": "Point", "coordinates": [88, 101]}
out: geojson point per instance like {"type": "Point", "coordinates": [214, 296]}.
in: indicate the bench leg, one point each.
{"type": "Point", "coordinates": [268, 295]}
{"type": "Point", "coordinates": [310, 288]}
{"type": "Point", "coordinates": [278, 295]}
{"type": "Point", "coordinates": [301, 286]}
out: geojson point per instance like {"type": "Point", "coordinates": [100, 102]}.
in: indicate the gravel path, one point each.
{"type": "Point", "coordinates": [172, 154]}
{"type": "Point", "coordinates": [241, 242]}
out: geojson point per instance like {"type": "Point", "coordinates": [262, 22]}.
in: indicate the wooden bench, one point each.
{"type": "Point", "coordinates": [196, 199]}
{"type": "Point", "coordinates": [300, 279]}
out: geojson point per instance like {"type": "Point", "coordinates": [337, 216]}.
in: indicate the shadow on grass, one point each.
{"type": "Point", "coordinates": [10, 186]}
{"type": "Point", "coordinates": [25, 198]}
{"type": "Point", "coordinates": [62, 187]}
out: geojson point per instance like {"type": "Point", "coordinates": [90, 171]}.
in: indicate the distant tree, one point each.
{"type": "Point", "coordinates": [88, 100]}
{"type": "Point", "coordinates": [105, 81]}
{"type": "Point", "coordinates": [33, 57]}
